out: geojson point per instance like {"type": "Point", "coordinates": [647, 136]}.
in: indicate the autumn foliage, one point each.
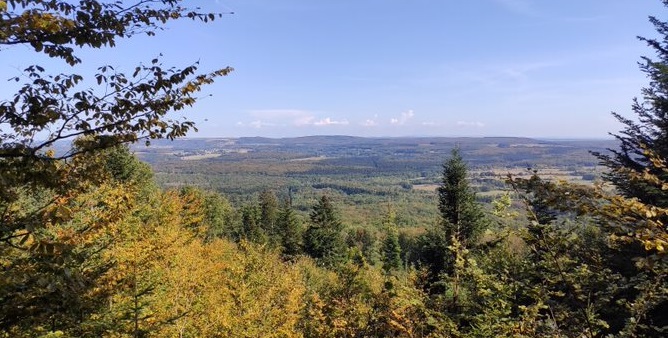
{"type": "Point", "coordinates": [90, 246]}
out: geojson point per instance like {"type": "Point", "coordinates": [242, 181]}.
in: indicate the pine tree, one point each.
{"type": "Point", "coordinates": [289, 230]}
{"type": "Point", "coordinates": [461, 215]}
{"type": "Point", "coordinates": [323, 239]}
{"type": "Point", "coordinates": [391, 250]}
{"type": "Point", "coordinates": [650, 132]}
{"type": "Point", "coordinates": [268, 212]}
{"type": "Point", "coordinates": [250, 227]}
{"type": "Point", "coordinates": [637, 169]}
{"type": "Point", "coordinates": [462, 221]}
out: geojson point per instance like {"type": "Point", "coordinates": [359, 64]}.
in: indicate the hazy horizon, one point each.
{"type": "Point", "coordinates": [195, 137]}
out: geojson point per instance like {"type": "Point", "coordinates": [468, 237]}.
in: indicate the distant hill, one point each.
{"type": "Point", "coordinates": [418, 151]}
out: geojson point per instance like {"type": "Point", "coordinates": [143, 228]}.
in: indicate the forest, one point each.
{"type": "Point", "coordinates": [358, 173]}
{"type": "Point", "coordinates": [94, 243]}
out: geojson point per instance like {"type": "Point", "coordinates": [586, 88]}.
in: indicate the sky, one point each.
{"type": "Point", "coordinates": [534, 68]}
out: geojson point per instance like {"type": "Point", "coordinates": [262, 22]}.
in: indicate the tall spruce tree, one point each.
{"type": "Point", "coordinates": [649, 132]}
{"type": "Point", "coordinates": [289, 231]}
{"type": "Point", "coordinates": [461, 220]}
{"type": "Point", "coordinates": [323, 239]}
{"type": "Point", "coordinates": [391, 250]}
{"type": "Point", "coordinates": [250, 227]}
{"type": "Point", "coordinates": [637, 169]}
{"type": "Point", "coordinates": [268, 211]}
{"type": "Point", "coordinates": [461, 216]}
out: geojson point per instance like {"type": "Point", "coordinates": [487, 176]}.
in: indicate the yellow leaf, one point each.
{"type": "Point", "coordinates": [63, 212]}
{"type": "Point", "coordinates": [649, 213]}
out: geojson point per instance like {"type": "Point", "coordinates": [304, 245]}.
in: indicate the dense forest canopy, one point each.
{"type": "Point", "coordinates": [91, 246]}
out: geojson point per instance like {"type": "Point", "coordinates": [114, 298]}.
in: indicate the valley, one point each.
{"type": "Point", "coordinates": [361, 173]}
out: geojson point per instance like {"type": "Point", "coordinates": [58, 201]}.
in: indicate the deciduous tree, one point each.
{"type": "Point", "coordinates": [124, 108]}
{"type": "Point", "coordinates": [53, 106]}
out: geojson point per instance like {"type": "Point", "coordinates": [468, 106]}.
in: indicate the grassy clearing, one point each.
{"type": "Point", "coordinates": [199, 157]}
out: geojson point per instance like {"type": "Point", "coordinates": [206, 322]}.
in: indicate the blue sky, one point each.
{"type": "Point", "coordinates": [537, 68]}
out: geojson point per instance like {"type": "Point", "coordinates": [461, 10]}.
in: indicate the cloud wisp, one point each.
{"type": "Point", "coordinates": [401, 120]}
{"type": "Point", "coordinates": [369, 123]}
{"type": "Point", "coordinates": [476, 124]}
{"type": "Point", "coordinates": [290, 118]}
{"type": "Point", "coordinates": [329, 122]}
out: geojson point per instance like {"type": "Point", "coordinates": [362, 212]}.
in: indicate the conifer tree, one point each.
{"type": "Point", "coordinates": [433, 254]}
{"type": "Point", "coordinates": [323, 239]}
{"type": "Point", "coordinates": [250, 228]}
{"type": "Point", "coordinates": [268, 212]}
{"type": "Point", "coordinates": [461, 216]}
{"type": "Point", "coordinates": [289, 230]}
{"type": "Point", "coordinates": [638, 170]}
{"type": "Point", "coordinates": [462, 221]}
{"type": "Point", "coordinates": [391, 250]}
{"type": "Point", "coordinates": [649, 132]}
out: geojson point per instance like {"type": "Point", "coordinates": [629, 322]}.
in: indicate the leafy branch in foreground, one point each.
{"type": "Point", "coordinates": [130, 109]}
{"type": "Point", "coordinates": [122, 108]}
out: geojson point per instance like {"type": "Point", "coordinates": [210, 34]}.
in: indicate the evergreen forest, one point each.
{"type": "Point", "coordinates": [93, 244]}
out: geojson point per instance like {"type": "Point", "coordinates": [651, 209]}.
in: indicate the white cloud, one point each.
{"type": "Point", "coordinates": [303, 121]}
{"type": "Point", "coordinates": [289, 117]}
{"type": "Point", "coordinates": [476, 124]}
{"type": "Point", "coordinates": [405, 116]}
{"type": "Point", "coordinates": [260, 124]}
{"type": "Point", "coordinates": [295, 117]}
{"type": "Point", "coordinates": [521, 71]}
{"type": "Point", "coordinates": [430, 124]}
{"type": "Point", "coordinates": [369, 123]}
{"type": "Point", "coordinates": [329, 122]}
